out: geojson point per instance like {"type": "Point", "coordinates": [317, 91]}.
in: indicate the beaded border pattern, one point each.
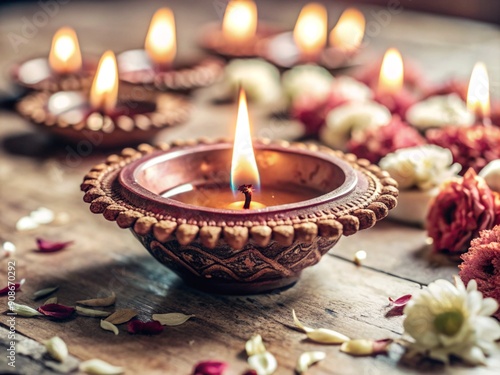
{"type": "Point", "coordinates": [347, 219]}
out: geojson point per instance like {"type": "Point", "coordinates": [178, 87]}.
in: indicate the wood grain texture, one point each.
{"type": "Point", "coordinates": [334, 294]}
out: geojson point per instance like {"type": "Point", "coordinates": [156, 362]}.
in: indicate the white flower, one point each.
{"type": "Point", "coordinates": [491, 174]}
{"type": "Point", "coordinates": [260, 79]}
{"type": "Point", "coordinates": [424, 166]}
{"type": "Point", "coordinates": [350, 89]}
{"type": "Point", "coordinates": [439, 111]}
{"type": "Point", "coordinates": [310, 80]}
{"type": "Point", "coordinates": [446, 320]}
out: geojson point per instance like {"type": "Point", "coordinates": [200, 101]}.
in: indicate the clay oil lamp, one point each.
{"type": "Point", "coordinates": [239, 217]}
{"type": "Point", "coordinates": [107, 116]}
{"type": "Point", "coordinates": [158, 65]}
{"type": "Point", "coordinates": [309, 41]}
{"type": "Point", "coordinates": [240, 34]}
{"type": "Point", "coordinates": [64, 69]}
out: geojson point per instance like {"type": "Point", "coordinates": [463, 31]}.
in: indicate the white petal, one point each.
{"type": "Point", "coordinates": [263, 363]}
{"type": "Point", "coordinates": [489, 307]}
{"type": "Point", "coordinates": [474, 356]}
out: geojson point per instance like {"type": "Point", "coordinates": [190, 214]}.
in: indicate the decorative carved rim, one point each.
{"type": "Point", "coordinates": [170, 110]}
{"type": "Point", "coordinates": [355, 211]}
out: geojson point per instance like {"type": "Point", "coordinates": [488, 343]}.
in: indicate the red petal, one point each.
{"type": "Point", "coordinates": [144, 328]}
{"type": "Point", "coordinates": [57, 311]}
{"type": "Point", "coordinates": [380, 346]}
{"type": "Point", "coordinates": [210, 368]}
{"type": "Point", "coordinates": [46, 246]}
{"type": "Point", "coordinates": [11, 287]}
{"type": "Point", "coordinates": [401, 301]}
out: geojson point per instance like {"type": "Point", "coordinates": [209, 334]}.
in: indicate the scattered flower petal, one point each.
{"type": "Point", "coordinates": [121, 316]}
{"type": "Point", "coordinates": [320, 335]}
{"type": "Point", "coordinates": [51, 300]}
{"type": "Point", "coordinates": [7, 249]}
{"type": "Point", "coordinates": [12, 287]}
{"type": "Point", "coordinates": [359, 257]}
{"type": "Point", "coordinates": [364, 347]}
{"type": "Point", "coordinates": [255, 345]}
{"type": "Point", "coordinates": [307, 359]}
{"type": "Point", "coordinates": [172, 319]}
{"type": "Point", "coordinates": [42, 215]}
{"type": "Point", "coordinates": [99, 302]}
{"type": "Point", "coordinates": [91, 312]}
{"type": "Point", "coordinates": [44, 292]}
{"type": "Point", "coordinates": [23, 310]}
{"type": "Point", "coordinates": [46, 246]}
{"type": "Point", "coordinates": [57, 348]}
{"type": "Point", "coordinates": [26, 223]}
{"type": "Point", "coordinates": [144, 328]}
{"type": "Point", "coordinates": [263, 363]}
{"type": "Point", "coordinates": [100, 367]}
{"type": "Point", "coordinates": [210, 368]}
{"type": "Point", "coordinates": [401, 301]}
{"type": "Point", "coordinates": [56, 311]}
{"type": "Point", "coordinates": [250, 372]}
{"type": "Point", "coordinates": [446, 320]}
{"type": "Point", "coordinates": [107, 326]}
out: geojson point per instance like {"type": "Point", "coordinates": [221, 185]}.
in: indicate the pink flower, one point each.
{"type": "Point", "coordinates": [460, 211]}
{"type": "Point", "coordinates": [472, 147]}
{"type": "Point", "coordinates": [452, 86]}
{"type": "Point", "coordinates": [398, 103]}
{"type": "Point", "coordinates": [375, 143]}
{"type": "Point", "coordinates": [482, 263]}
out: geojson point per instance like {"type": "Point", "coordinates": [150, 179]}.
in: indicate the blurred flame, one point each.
{"type": "Point", "coordinates": [161, 44]}
{"type": "Point", "coordinates": [349, 31]}
{"type": "Point", "coordinates": [391, 72]}
{"type": "Point", "coordinates": [240, 20]}
{"type": "Point", "coordinates": [478, 93]}
{"type": "Point", "coordinates": [310, 31]}
{"type": "Point", "coordinates": [243, 165]}
{"type": "Point", "coordinates": [65, 55]}
{"type": "Point", "coordinates": [104, 91]}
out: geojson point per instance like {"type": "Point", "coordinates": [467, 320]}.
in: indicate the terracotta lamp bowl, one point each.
{"type": "Point", "coordinates": [239, 251]}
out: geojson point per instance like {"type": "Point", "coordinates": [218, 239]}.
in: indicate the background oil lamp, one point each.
{"type": "Point", "coordinates": [107, 115]}
{"type": "Point", "coordinates": [157, 64]}
{"type": "Point", "coordinates": [310, 43]}
{"type": "Point", "coordinates": [177, 200]}
{"type": "Point", "coordinates": [64, 69]}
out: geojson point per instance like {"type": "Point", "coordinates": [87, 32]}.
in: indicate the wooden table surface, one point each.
{"type": "Point", "coordinates": [335, 293]}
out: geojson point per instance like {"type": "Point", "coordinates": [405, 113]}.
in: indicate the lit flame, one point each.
{"type": "Point", "coordinates": [240, 20]}
{"type": "Point", "coordinates": [391, 72]}
{"type": "Point", "coordinates": [104, 91]}
{"type": "Point", "coordinates": [243, 166]}
{"type": "Point", "coordinates": [161, 44]}
{"type": "Point", "coordinates": [65, 56]}
{"type": "Point", "coordinates": [310, 31]}
{"type": "Point", "coordinates": [478, 94]}
{"type": "Point", "coordinates": [349, 31]}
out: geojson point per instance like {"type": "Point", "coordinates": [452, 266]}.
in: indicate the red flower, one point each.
{"type": "Point", "coordinates": [482, 263]}
{"type": "Point", "coordinates": [312, 111]}
{"type": "Point", "coordinates": [398, 103]}
{"type": "Point", "coordinates": [459, 212]}
{"type": "Point", "coordinates": [472, 147]}
{"type": "Point", "coordinates": [375, 143]}
{"type": "Point", "coordinates": [210, 368]}
{"type": "Point", "coordinates": [56, 311]}
{"type": "Point", "coordinates": [46, 246]}
{"type": "Point", "coordinates": [152, 327]}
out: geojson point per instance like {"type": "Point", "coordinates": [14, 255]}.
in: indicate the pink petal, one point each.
{"type": "Point", "coordinates": [380, 346]}
{"type": "Point", "coordinates": [210, 368]}
{"type": "Point", "coordinates": [46, 246]}
{"type": "Point", "coordinates": [56, 311]}
{"type": "Point", "coordinates": [401, 301]}
{"type": "Point", "coordinates": [11, 287]}
{"type": "Point", "coordinates": [151, 327]}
